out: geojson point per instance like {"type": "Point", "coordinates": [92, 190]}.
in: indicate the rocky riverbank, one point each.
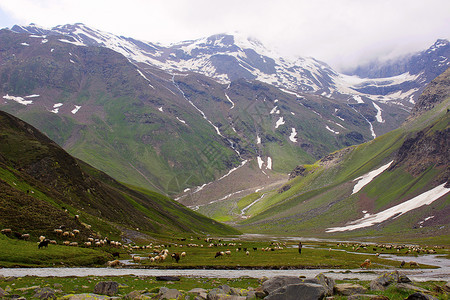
{"type": "Point", "coordinates": [391, 285]}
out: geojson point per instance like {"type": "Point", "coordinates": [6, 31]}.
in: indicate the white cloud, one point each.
{"type": "Point", "coordinates": [339, 32]}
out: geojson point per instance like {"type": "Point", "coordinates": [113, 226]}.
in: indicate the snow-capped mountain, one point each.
{"type": "Point", "coordinates": [226, 58]}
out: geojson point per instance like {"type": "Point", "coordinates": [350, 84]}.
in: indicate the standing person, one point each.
{"type": "Point", "coordinates": [300, 247]}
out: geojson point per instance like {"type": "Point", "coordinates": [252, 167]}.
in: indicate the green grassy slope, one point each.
{"type": "Point", "coordinates": [40, 181]}
{"type": "Point", "coordinates": [323, 198]}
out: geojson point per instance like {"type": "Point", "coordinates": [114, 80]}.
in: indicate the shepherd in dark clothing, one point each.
{"type": "Point", "coordinates": [300, 247]}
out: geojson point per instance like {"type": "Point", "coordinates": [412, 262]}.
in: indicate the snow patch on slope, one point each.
{"type": "Point", "coordinates": [367, 178]}
{"type": "Point", "coordinates": [371, 219]}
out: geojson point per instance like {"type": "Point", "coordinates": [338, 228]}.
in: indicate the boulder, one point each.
{"type": "Point", "coordinates": [420, 296]}
{"type": "Point", "coordinates": [109, 288]}
{"type": "Point", "coordinates": [166, 293]}
{"type": "Point", "coordinates": [308, 291]}
{"type": "Point", "coordinates": [167, 278]}
{"type": "Point", "coordinates": [347, 289]}
{"type": "Point", "coordinates": [199, 292]}
{"type": "Point", "coordinates": [269, 286]}
{"type": "Point", "coordinates": [382, 282]}
{"type": "Point", "coordinates": [326, 282]}
{"type": "Point", "coordinates": [45, 293]}
{"type": "Point", "coordinates": [225, 288]}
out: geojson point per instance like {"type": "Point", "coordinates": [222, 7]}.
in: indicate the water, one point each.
{"type": "Point", "coordinates": [441, 274]}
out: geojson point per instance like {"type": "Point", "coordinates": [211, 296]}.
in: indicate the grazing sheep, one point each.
{"type": "Point", "coordinates": [6, 231]}
{"type": "Point", "coordinates": [25, 237]}
{"type": "Point", "coordinates": [137, 259]}
{"type": "Point", "coordinates": [116, 254]}
{"type": "Point", "coordinates": [402, 263]}
{"type": "Point", "coordinates": [87, 244]}
{"type": "Point", "coordinates": [228, 252]}
{"type": "Point", "coordinates": [114, 263]}
{"type": "Point", "coordinates": [41, 238]}
{"type": "Point", "coordinates": [66, 243]}
{"type": "Point", "coordinates": [43, 243]}
{"type": "Point", "coordinates": [246, 252]}
{"type": "Point", "coordinates": [365, 264]}
{"type": "Point", "coordinates": [219, 253]}
{"type": "Point", "coordinates": [65, 234]}
{"type": "Point", "coordinates": [413, 264]}
{"type": "Point", "coordinates": [183, 254]}
{"type": "Point", "coordinates": [176, 256]}
{"type": "Point", "coordinates": [53, 242]}
{"type": "Point", "coordinates": [73, 244]}
{"type": "Point", "coordinates": [255, 248]}
{"type": "Point", "coordinates": [58, 231]}
{"type": "Point", "coordinates": [76, 231]}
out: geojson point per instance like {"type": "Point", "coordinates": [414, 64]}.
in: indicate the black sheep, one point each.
{"type": "Point", "coordinates": [176, 256]}
{"type": "Point", "coordinates": [44, 243]}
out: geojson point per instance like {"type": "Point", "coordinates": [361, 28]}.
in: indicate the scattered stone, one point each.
{"type": "Point", "coordinates": [367, 297]}
{"type": "Point", "coordinates": [24, 289]}
{"type": "Point", "coordinates": [3, 293]}
{"type": "Point", "coordinates": [109, 288]}
{"type": "Point", "coordinates": [251, 295]}
{"type": "Point", "coordinates": [384, 281]}
{"type": "Point", "coordinates": [420, 296]}
{"type": "Point", "coordinates": [8, 289]}
{"type": "Point", "coordinates": [269, 286]}
{"type": "Point", "coordinates": [308, 291]}
{"type": "Point", "coordinates": [225, 288]}
{"type": "Point", "coordinates": [199, 293]}
{"type": "Point", "coordinates": [347, 289]}
{"type": "Point", "coordinates": [45, 293]}
{"type": "Point", "coordinates": [136, 295]}
{"type": "Point", "coordinates": [84, 297]}
{"type": "Point", "coordinates": [57, 285]}
{"type": "Point", "coordinates": [447, 287]}
{"type": "Point", "coordinates": [166, 293]}
{"type": "Point", "coordinates": [167, 278]}
{"type": "Point", "coordinates": [10, 278]}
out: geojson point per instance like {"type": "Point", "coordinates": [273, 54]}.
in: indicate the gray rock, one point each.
{"type": "Point", "coordinates": [136, 295]}
{"type": "Point", "coordinates": [269, 286]}
{"type": "Point", "coordinates": [420, 296]}
{"type": "Point", "coordinates": [327, 282]}
{"type": "Point", "coordinates": [307, 291]}
{"type": "Point", "coordinates": [446, 287]}
{"type": "Point", "coordinates": [347, 289]}
{"type": "Point", "coordinates": [384, 281]}
{"type": "Point", "coordinates": [109, 288]}
{"type": "Point", "coordinates": [24, 289]}
{"type": "Point", "coordinates": [3, 293]}
{"type": "Point", "coordinates": [167, 278]}
{"type": "Point", "coordinates": [166, 293]}
{"type": "Point", "coordinates": [225, 288]}
{"type": "Point", "coordinates": [45, 293]}
{"type": "Point", "coordinates": [251, 295]}
{"type": "Point", "coordinates": [199, 293]}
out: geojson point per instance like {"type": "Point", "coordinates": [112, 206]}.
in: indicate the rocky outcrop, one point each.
{"type": "Point", "coordinates": [387, 279]}
{"type": "Point", "coordinates": [109, 288]}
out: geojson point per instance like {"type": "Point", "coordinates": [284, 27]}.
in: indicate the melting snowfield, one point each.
{"type": "Point", "coordinates": [367, 178]}
{"type": "Point", "coordinates": [368, 220]}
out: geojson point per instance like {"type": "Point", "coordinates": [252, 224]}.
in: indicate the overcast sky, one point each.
{"type": "Point", "coordinates": [342, 33]}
